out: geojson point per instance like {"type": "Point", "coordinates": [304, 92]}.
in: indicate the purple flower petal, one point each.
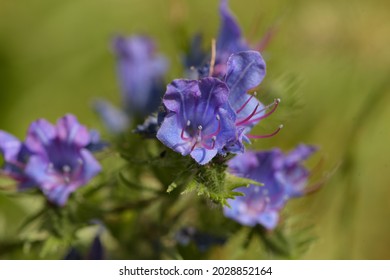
{"type": "Point", "coordinates": [39, 135]}
{"type": "Point", "coordinates": [69, 130]}
{"type": "Point", "coordinates": [245, 70]}
{"type": "Point", "coordinates": [199, 120]}
{"type": "Point", "coordinates": [282, 180]}
{"type": "Point", "coordinates": [229, 37]}
{"type": "Point", "coordinates": [140, 73]}
{"type": "Point", "coordinates": [115, 120]}
{"type": "Point", "coordinates": [9, 146]}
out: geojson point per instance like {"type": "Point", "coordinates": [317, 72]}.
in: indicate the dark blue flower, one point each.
{"type": "Point", "coordinates": [283, 176]}
{"type": "Point", "coordinates": [141, 73]}
{"type": "Point", "coordinates": [60, 161]}
{"type": "Point", "coordinates": [199, 121]}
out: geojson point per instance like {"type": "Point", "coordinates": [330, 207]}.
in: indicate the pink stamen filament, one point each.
{"type": "Point", "coordinates": [248, 119]}
{"type": "Point", "coordinates": [184, 137]}
{"type": "Point", "coordinates": [216, 132]}
{"type": "Point", "coordinates": [265, 136]}
{"type": "Point", "coordinates": [212, 145]}
{"type": "Point", "coordinates": [244, 105]}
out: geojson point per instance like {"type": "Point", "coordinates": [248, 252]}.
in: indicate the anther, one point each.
{"type": "Point", "coordinates": [217, 117]}
{"type": "Point", "coordinates": [200, 127]}
{"type": "Point", "coordinates": [80, 161]}
{"type": "Point", "coordinates": [188, 123]}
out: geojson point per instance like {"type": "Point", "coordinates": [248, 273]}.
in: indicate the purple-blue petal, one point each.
{"type": "Point", "coordinates": [269, 219]}
{"type": "Point", "coordinates": [9, 146]}
{"type": "Point", "coordinates": [140, 72]}
{"type": "Point", "coordinates": [180, 92]}
{"type": "Point", "coordinates": [169, 135]}
{"type": "Point", "coordinates": [229, 37]}
{"type": "Point", "coordinates": [283, 176]}
{"type": "Point", "coordinates": [202, 155]}
{"type": "Point", "coordinates": [91, 167]}
{"type": "Point", "coordinates": [245, 71]}
{"type": "Point", "coordinates": [69, 130]}
{"type": "Point", "coordinates": [39, 135]}
{"type": "Point", "coordinates": [114, 119]}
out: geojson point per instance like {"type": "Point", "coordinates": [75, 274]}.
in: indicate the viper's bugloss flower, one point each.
{"type": "Point", "coordinates": [283, 176]}
{"type": "Point", "coordinates": [141, 71]}
{"type": "Point", "coordinates": [56, 158]}
{"type": "Point", "coordinates": [200, 120]}
{"type": "Point", "coordinates": [245, 71]}
{"type": "Point", "coordinates": [15, 156]}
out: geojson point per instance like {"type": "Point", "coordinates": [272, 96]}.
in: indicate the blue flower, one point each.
{"type": "Point", "coordinates": [56, 158]}
{"type": "Point", "coordinates": [199, 121]}
{"type": "Point", "coordinates": [116, 121]}
{"type": "Point", "coordinates": [245, 71]}
{"type": "Point", "coordinates": [283, 176]}
{"type": "Point", "coordinates": [229, 39]}
{"type": "Point", "coordinates": [141, 73]}
{"type": "Point", "coordinates": [15, 156]}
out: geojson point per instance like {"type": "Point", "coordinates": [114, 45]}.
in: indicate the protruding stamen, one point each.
{"type": "Point", "coordinates": [249, 117]}
{"type": "Point", "coordinates": [267, 135]}
{"type": "Point", "coordinates": [214, 138]}
{"type": "Point", "coordinates": [188, 123]}
{"type": "Point", "coordinates": [246, 103]}
{"type": "Point", "coordinates": [200, 127]}
{"type": "Point", "coordinates": [275, 104]}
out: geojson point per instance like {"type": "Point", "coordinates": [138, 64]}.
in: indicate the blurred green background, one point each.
{"type": "Point", "coordinates": [329, 61]}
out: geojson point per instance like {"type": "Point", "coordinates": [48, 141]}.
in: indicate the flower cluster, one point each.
{"type": "Point", "coordinates": [214, 114]}
{"type": "Point", "coordinates": [55, 158]}
{"type": "Point", "coordinates": [207, 116]}
{"type": "Point", "coordinates": [283, 177]}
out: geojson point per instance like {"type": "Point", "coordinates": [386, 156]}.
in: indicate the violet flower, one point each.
{"type": "Point", "coordinates": [56, 158]}
{"type": "Point", "coordinates": [199, 121]}
{"type": "Point", "coordinates": [141, 73]}
{"type": "Point", "coordinates": [60, 162]}
{"type": "Point", "coordinates": [283, 176]}
{"type": "Point", "coordinates": [245, 71]}
{"type": "Point", "coordinates": [229, 38]}
{"type": "Point", "coordinates": [15, 156]}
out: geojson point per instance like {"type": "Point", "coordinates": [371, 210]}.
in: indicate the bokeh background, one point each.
{"type": "Point", "coordinates": [329, 61]}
